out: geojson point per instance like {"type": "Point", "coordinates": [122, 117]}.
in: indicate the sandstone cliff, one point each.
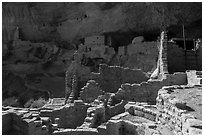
{"type": "Point", "coordinates": [72, 21]}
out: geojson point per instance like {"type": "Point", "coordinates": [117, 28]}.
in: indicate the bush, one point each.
{"type": "Point", "coordinates": [29, 103]}
{"type": "Point", "coordinates": [35, 103]}
{"type": "Point", "coordinates": [12, 101]}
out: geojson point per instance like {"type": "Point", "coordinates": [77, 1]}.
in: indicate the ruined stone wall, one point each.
{"type": "Point", "coordinates": [86, 131]}
{"type": "Point", "coordinates": [70, 116]}
{"type": "Point", "coordinates": [117, 109]}
{"type": "Point", "coordinates": [24, 122]}
{"type": "Point", "coordinates": [111, 77]}
{"type": "Point", "coordinates": [95, 117]}
{"type": "Point", "coordinates": [90, 92]}
{"type": "Point", "coordinates": [179, 110]}
{"type": "Point", "coordinates": [163, 62]}
{"type": "Point", "coordinates": [147, 91]}
{"type": "Point", "coordinates": [142, 111]}
{"type": "Point", "coordinates": [139, 55]}
{"type": "Point", "coordinates": [194, 77]}
{"type": "Point", "coordinates": [122, 127]}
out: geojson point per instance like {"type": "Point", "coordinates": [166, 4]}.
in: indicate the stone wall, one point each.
{"type": "Point", "coordinates": [179, 110]}
{"type": "Point", "coordinates": [139, 55]}
{"type": "Point", "coordinates": [147, 91]}
{"type": "Point", "coordinates": [24, 122]}
{"type": "Point", "coordinates": [111, 77]}
{"type": "Point", "coordinates": [45, 120]}
{"type": "Point", "coordinates": [142, 111]}
{"type": "Point", "coordinates": [194, 77]}
{"type": "Point", "coordinates": [162, 63]}
{"type": "Point", "coordinates": [95, 117]}
{"type": "Point", "coordinates": [122, 127]}
{"type": "Point", "coordinates": [70, 116]}
{"type": "Point", "coordinates": [117, 109]}
{"type": "Point", "coordinates": [86, 131]}
{"type": "Point", "coordinates": [90, 92]}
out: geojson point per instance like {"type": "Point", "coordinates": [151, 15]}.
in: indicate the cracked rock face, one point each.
{"type": "Point", "coordinates": [72, 21]}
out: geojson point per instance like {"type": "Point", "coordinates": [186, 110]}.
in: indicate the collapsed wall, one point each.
{"type": "Point", "coordinates": [24, 122]}
{"type": "Point", "coordinates": [70, 116]}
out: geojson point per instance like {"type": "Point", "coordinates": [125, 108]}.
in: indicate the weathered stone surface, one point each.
{"type": "Point", "coordinates": [90, 92]}
{"type": "Point", "coordinates": [86, 131]}
{"type": "Point", "coordinates": [70, 116]}
{"type": "Point", "coordinates": [194, 77]}
{"type": "Point", "coordinates": [181, 108]}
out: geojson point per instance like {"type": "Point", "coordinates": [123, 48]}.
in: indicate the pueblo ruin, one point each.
{"type": "Point", "coordinates": [101, 69]}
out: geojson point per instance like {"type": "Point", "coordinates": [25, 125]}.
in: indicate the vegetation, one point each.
{"type": "Point", "coordinates": [12, 101]}
{"type": "Point", "coordinates": [35, 103]}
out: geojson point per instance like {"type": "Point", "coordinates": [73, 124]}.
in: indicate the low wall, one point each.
{"type": "Point", "coordinates": [117, 109]}
{"type": "Point", "coordinates": [141, 111]}
{"type": "Point", "coordinates": [194, 77]}
{"type": "Point", "coordinates": [90, 91]}
{"type": "Point", "coordinates": [23, 122]}
{"type": "Point", "coordinates": [176, 114]}
{"type": "Point", "coordinates": [86, 131]}
{"type": "Point", "coordinates": [147, 91]}
{"type": "Point", "coordinates": [70, 116]}
{"type": "Point", "coordinates": [123, 127]}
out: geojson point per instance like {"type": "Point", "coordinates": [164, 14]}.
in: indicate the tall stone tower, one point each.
{"type": "Point", "coordinates": [71, 80]}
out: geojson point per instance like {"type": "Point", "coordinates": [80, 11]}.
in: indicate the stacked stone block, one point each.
{"type": "Point", "coordinates": [141, 111]}
{"type": "Point", "coordinates": [177, 119]}
{"type": "Point", "coordinates": [90, 92]}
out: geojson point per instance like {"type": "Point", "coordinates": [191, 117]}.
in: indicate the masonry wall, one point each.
{"type": "Point", "coordinates": [194, 77]}
{"type": "Point", "coordinates": [175, 115]}
{"type": "Point", "coordinates": [86, 131]}
{"type": "Point", "coordinates": [70, 116]}
{"type": "Point", "coordinates": [90, 92]}
{"type": "Point", "coordinates": [139, 55]}
{"type": "Point", "coordinates": [23, 122]}
{"type": "Point", "coordinates": [117, 109]}
{"type": "Point", "coordinates": [147, 91]}
{"type": "Point", "coordinates": [111, 77]}
{"type": "Point", "coordinates": [120, 127]}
